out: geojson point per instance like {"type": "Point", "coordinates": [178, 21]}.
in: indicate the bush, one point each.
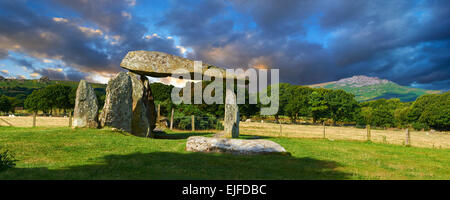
{"type": "Point", "coordinates": [219, 126]}
{"type": "Point", "coordinates": [206, 122]}
{"type": "Point", "coordinates": [419, 126]}
{"type": "Point", "coordinates": [7, 160]}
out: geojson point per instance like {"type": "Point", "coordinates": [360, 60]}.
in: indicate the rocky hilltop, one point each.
{"type": "Point", "coordinates": [370, 88]}
{"type": "Point", "coordinates": [360, 81]}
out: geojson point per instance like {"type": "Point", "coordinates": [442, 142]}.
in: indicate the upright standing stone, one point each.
{"type": "Point", "coordinates": [117, 112]}
{"type": "Point", "coordinates": [231, 121]}
{"type": "Point", "coordinates": [141, 124]}
{"type": "Point", "coordinates": [150, 103]}
{"type": "Point", "coordinates": [86, 107]}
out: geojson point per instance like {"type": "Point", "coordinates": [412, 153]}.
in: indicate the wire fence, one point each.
{"type": "Point", "coordinates": [192, 123]}
{"type": "Point", "coordinates": [407, 137]}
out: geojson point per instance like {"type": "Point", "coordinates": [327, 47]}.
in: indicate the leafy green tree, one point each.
{"type": "Point", "coordinates": [161, 92]}
{"type": "Point", "coordinates": [247, 109]}
{"type": "Point", "coordinates": [380, 112]}
{"type": "Point", "coordinates": [33, 101]}
{"type": "Point", "coordinates": [5, 104]}
{"type": "Point", "coordinates": [283, 97]}
{"type": "Point", "coordinates": [342, 105]}
{"type": "Point", "coordinates": [59, 96]}
{"type": "Point", "coordinates": [401, 116]}
{"type": "Point", "coordinates": [419, 106]}
{"type": "Point", "coordinates": [297, 103]}
{"type": "Point", "coordinates": [18, 101]}
{"type": "Point", "coordinates": [437, 113]}
{"type": "Point", "coordinates": [365, 116]}
{"type": "Point", "coordinates": [319, 106]}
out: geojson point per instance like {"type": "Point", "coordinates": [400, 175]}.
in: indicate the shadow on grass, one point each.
{"type": "Point", "coordinates": [253, 137]}
{"type": "Point", "coordinates": [179, 136]}
{"type": "Point", "coordinates": [185, 135]}
{"type": "Point", "coordinates": [176, 166]}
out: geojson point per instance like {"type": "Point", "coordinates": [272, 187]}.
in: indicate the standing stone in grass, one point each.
{"type": "Point", "coordinates": [143, 122]}
{"type": "Point", "coordinates": [150, 104]}
{"type": "Point", "coordinates": [117, 112]}
{"type": "Point", "coordinates": [231, 119]}
{"type": "Point", "coordinates": [86, 107]}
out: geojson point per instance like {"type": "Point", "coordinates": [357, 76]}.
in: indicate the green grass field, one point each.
{"type": "Point", "coordinates": [63, 153]}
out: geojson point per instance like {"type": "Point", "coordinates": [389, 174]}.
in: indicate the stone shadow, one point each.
{"type": "Point", "coordinates": [179, 136]}
{"type": "Point", "coordinates": [190, 166]}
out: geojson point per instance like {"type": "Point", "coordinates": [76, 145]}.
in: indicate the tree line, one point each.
{"type": "Point", "coordinates": [46, 100]}
{"type": "Point", "coordinates": [335, 106]}
{"type": "Point", "coordinates": [430, 111]}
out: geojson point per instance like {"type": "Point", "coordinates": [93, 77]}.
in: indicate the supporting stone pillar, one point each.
{"type": "Point", "coordinates": [231, 119]}
{"type": "Point", "coordinates": [117, 112]}
{"type": "Point", "coordinates": [140, 124]}
{"type": "Point", "coordinates": [150, 105]}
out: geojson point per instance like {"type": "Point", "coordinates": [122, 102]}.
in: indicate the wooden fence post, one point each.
{"type": "Point", "coordinates": [171, 120]}
{"type": "Point", "coordinates": [323, 130]}
{"type": "Point", "coordinates": [193, 122]}
{"type": "Point", "coordinates": [34, 119]}
{"type": "Point", "coordinates": [408, 138]}
{"type": "Point", "coordinates": [281, 130]}
{"type": "Point", "coordinates": [368, 132]}
{"type": "Point", "coordinates": [70, 118]}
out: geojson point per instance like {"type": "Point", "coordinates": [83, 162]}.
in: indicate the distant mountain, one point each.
{"type": "Point", "coordinates": [370, 88]}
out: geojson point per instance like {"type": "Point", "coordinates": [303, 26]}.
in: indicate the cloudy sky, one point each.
{"type": "Point", "coordinates": [310, 41]}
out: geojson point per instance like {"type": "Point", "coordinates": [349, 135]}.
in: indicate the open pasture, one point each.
{"type": "Point", "coordinates": [65, 153]}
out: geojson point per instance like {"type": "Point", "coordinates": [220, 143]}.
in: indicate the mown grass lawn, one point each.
{"type": "Point", "coordinates": [64, 153]}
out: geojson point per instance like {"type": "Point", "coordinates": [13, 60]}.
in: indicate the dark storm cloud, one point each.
{"type": "Point", "coordinates": [94, 42]}
{"type": "Point", "coordinates": [311, 41]}
{"type": "Point", "coordinates": [52, 74]}
{"type": "Point", "coordinates": [379, 38]}
{"type": "Point", "coordinates": [196, 22]}
{"type": "Point", "coordinates": [74, 75]}
{"type": "Point", "coordinates": [114, 17]}
{"type": "Point", "coordinates": [3, 53]}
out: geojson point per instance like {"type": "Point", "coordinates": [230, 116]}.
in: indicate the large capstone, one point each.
{"type": "Point", "coordinates": [117, 112]}
{"type": "Point", "coordinates": [231, 118]}
{"type": "Point", "coordinates": [159, 64]}
{"type": "Point", "coordinates": [233, 146]}
{"type": "Point", "coordinates": [144, 113]}
{"type": "Point", "coordinates": [86, 107]}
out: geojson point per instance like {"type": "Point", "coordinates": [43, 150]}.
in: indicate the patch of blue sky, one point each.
{"type": "Point", "coordinates": [313, 32]}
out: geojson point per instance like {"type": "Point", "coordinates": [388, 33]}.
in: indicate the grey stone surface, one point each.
{"type": "Point", "coordinates": [159, 64]}
{"type": "Point", "coordinates": [140, 124]}
{"type": "Point", "coordinates": [231, 118]}
{"type": "Point", "coordinates": [44, 79]}
{"type": "Point", "coordinates": [233, 146]}
{"type": "Point", "coordinates": [117, 112]}
{"type": "Point", "coordinates": [150, 104]}
{"type": "Point", "coordinates": [86, 107]}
